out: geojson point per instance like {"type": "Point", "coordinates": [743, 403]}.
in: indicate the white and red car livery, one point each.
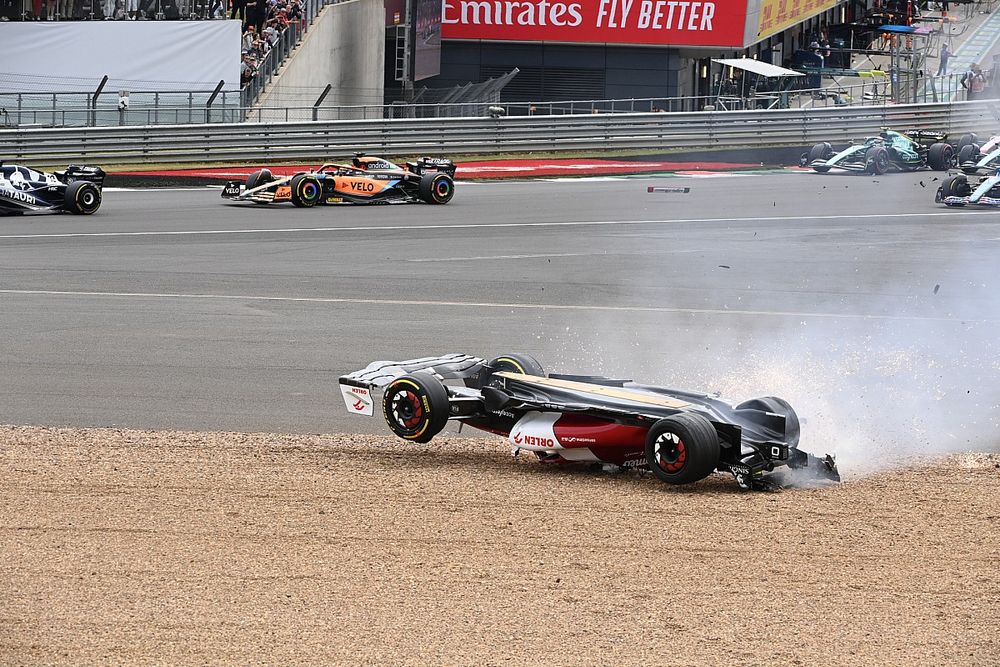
{"type": "Point", "coordinates": [681, 436]}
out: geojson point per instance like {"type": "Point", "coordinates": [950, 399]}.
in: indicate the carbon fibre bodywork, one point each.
{"type": "Point", "coordinates": [910, 150]}
{"type": "Point", "coordinates": [367, 180]}
{"type": "Point", "coordinates": [78, 190]}
{"type": "Point", "coordinates": [592, 418]}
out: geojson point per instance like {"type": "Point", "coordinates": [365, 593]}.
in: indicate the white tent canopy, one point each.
{"type": "Point", "coordinates": [757, 67]}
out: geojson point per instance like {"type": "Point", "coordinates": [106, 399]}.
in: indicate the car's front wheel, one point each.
{"type": "Point", "coordinates": [416, 406]}
{"type": "Point", "coordinates": [306, 190]}
{"type": "Point", "coordinates": [82, 198]}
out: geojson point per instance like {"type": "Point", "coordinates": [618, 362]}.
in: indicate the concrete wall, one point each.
{"type": "Point", "coordinates": [344, 47]}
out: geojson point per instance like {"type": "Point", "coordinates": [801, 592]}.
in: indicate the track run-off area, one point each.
{"type": "Point", "coordinates": [180, 481]}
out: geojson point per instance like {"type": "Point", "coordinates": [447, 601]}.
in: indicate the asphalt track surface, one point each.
{"type": "Point", "coordinates": [169, 309]}
{"type": "Point", "coordinates": [872, 311]}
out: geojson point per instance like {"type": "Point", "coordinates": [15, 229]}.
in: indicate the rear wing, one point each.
{"type": "Point", "coordinates": [76, 172]}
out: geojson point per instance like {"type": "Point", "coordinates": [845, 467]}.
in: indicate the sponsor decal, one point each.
{"type": "Point", "coordinates": [574, 438]}
{"type": "Point", "coordinates": [635, 463]}
{"type": "Point", "coordinates": [659, 22]}
{"type": "Point", "coordinates": [361, 186]}
{"type": "Point", "coordinates": [504, 413]}
{"type": "Point", "coordinates": [358, 400]}
{"type": "Point", "coordinates": [19, 196]}
{"type": "Point", "coordinates": [283, 193]}
{"type": "Point", "coordinates": [533, 440]}
{"type": "Point", "coordinates": [231, 190]}
{"type": "Point", "coordinates": [334, 200]}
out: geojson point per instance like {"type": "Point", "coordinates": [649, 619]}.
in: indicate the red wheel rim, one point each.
{"type": "Point", "coordinates": [671, 454]}
{"type": "Point", "coordinates": [407, 409]}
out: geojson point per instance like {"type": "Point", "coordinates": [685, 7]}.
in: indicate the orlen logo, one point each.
{"type": "Point", "coordinates": [533, 440]}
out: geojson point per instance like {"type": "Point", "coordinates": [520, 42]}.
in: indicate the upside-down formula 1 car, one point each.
{"type": "Point", "coordinates": [957, 191]}
{"type": "Point", "coordinates": [975, 157]}
{"type": "Point", "coordinates": [681, 436]}
{"type": "Point", "coordinates": [889, 151]}
{"type": "Point", "coordinates": [367, 180]}
{"type": "Point", "coordinates": [76, 190]}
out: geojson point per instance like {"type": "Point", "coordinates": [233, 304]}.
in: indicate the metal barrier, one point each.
{"type": "Point", "coordinates": [316, 141]}
{"type": "Point", "coordinates": [73, 109]}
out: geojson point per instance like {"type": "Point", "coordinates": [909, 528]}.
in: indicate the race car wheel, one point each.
{"type": "Point", "coordinates": [436, 188]}
{"type": "Point", "coordinates": [821, 151]}
{"type": "Point", "coordinates": [82, 197]}
{"type": "Point", "coordinates": [941, 157]}
{"type": "Point", "coordinates": [877, 160]}
{"type": "Point", "coordinates": [524, 364]}
{"type": "Point", "coordinates": [683, 448]}
{"type": "Point", "coordinates": [778, 406]}
{"type": "Point", "coordinates": [968, 155]}
{"type": "Point", "coordinates": [967, 139]}
{"type": "Point", "coordinates": [955, 186]}
{"type": "Point", "coordinates": [306, 190]}
{"type": "Point", "coordinates": [258, 178]}
{"type": "Point", "coordinates": [416, 406]}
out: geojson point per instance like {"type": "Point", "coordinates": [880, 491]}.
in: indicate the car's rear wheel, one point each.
{"type": "Point", "coordinates": [877, 160]}
{"type": "Point", "coordinates": [306, 190]}
{"type": "Point", "coordinates": [683, 448]}
{"type": "Point", "coordinates": [941, 157]}
{"type": "Point", "coordinates": [416, 406]}
{"type": "Point", "coordinates": [968, 138]}
{"type": "Point", "coordinates": [525, 364]}
{"type": "Point", "coordinates": [968, 156]}
{"type": "Point", "coordinates": [436, 188]}
{"type": "Point", "coordinates": [82, 198]}
{"type": "Point", "coordinates": [258, 178]}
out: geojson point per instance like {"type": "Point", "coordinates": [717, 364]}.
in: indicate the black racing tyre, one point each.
{"type": "Point", "coordinates": [821, 168]}
{"type": "Point", "coordinates": [968, 155]}
{"type": "Point", "coordinates": [778, 406]}
{"type": "Point", "coordinates": [82, 198]}
{"type": "Point", "coordinates": [955, 186]}
{"type": "Point", "coordinates": [941, 157]}
{"type": "Point", "coordinates": [416, 406]}
{"type": "Point", "coordinates": [683, 448]}
{"type": "Point", "coordinates": [969, 138]}
{"type": "Point", "coordinates": [436, 188]}
{"type": "Point", "coordinates": [258, 178]}
{"type": "Point", "coordinates": [877, 160]}
{"type": "Point", "coordinates": [820, 152]}
{"type": "Point", "coordinates": [306, 190]}
{"type": "Point", "coordinates": [524, 364]}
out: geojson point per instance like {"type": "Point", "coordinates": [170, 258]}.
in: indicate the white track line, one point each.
{"type": "Point", "coordinates": [491, 304]}
{"type": "Point", "coordinates": [495, 225]}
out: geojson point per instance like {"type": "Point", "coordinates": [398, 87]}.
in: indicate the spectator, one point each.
{"type": "Point", "coordinates": [295, 11]}
{"type": "Point", "coordinates": [943, 65]}
{"type": "Point", "coordinates": [974, 81]}
{"type": "Point", "coordinates": [257, 10]}
{"type": "Point", "coordinates": [247, 69]}
{"type": "Point", "coordinates": [66, 9]}
{"type": "Point", "coordinates": [248, 38]}
{"type": "Point", "coordinates": [239, 6]}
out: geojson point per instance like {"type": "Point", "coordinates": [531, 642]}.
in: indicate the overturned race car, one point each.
{"type": "Point", "coordinates": [889, 151]}
{"type": "Point", "coordinates": [367, 180]}
{"type": "Point", "coordinates": [681, 436]}
{"type": "Point", "coordinates": [76, 190]}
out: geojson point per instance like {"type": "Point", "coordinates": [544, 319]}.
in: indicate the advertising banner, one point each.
{"type": "Point", "coordinates": [653, 22]}
{"type": "Point", "coordinates": [137, 55]}
{"type": "Point", "coordinates": [776, 15]}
